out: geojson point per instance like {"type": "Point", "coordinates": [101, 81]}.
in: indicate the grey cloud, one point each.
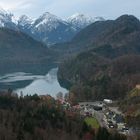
{"type": "Point", "coordinates": [65, 8]}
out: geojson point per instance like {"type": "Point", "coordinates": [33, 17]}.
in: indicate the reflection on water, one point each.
{"type": "Point", "coordinates": [38, 84]}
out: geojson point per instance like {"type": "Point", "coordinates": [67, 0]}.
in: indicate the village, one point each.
{"type": "Point", "coordinates": [101, 114]}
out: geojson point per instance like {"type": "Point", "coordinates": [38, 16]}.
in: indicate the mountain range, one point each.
{"type": "Point", "coordinates": [97, 58]}
{"type": "Point", "coordinates": [47, 28]}
{"type": "Point", "coordinates": [101, 57]}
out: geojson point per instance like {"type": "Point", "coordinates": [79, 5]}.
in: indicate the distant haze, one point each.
{"type": "Point", "coordinates": [65, 8]}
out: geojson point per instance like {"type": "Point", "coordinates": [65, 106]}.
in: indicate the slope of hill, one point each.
{"type": "Point", "coordinates": [93, 77]}
{"type": "Point", "coordinates": [19, 52]}
{"type": "Point", "coordinates": [130, 106]}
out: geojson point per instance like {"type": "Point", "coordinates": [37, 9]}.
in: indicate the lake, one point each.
{"type": "Point", "coordinates": [28, 83]}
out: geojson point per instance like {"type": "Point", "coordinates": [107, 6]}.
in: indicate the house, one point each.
{"type": "Point", "coordinates": [107, 101]}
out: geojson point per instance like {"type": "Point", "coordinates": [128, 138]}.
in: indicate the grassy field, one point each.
{"type": "Point", "coordinates": [91, 121]}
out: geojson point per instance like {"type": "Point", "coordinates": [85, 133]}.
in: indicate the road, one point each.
{"type": "Point", "coordinates": [99, 116]}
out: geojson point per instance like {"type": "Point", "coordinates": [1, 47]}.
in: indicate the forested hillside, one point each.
{"type": "Point", "coordinates": [19, 52]}
{"type": "Point", "coordinates": [109, 64]}
{"type": "Point", "coordinates": [130, 106]}
{"type": "Point", "coordinates": [42, 118]}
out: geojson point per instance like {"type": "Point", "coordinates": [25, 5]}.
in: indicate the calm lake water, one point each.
{"type": "Point", "coordinates": [30, 84]}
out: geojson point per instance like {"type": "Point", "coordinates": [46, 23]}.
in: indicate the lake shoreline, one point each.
{"type": "Point", "coordinates": [28, 83]}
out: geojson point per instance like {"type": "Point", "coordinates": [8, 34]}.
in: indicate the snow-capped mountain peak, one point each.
{"type": "Point", "coordinates": [7, 19]}
{"type": "Point", "coordinates": [99, 19]}
{"type": "Point", "coordinates": [48, 16]}
{"type": "Point", "coordinates": [49, 21]}
{"type": "Point", "coordinates": [81, 20]}
{"type": "Point", "coordinates": [25, 20]}
{"type": "Point", "coordinates": [2, 11]}
{"type": "Point", "coordinates": [77, 16]}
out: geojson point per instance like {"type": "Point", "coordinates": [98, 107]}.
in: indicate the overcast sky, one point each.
{"type": "Point", "coordinates": [65, 8]}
